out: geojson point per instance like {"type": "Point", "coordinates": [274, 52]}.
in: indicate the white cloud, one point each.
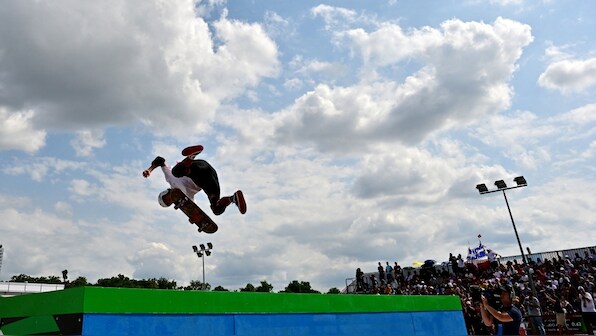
{"type": "Point", "coordinates": [124, 63]}
{"type": "Point", "coordinates": [465, 76]}
{"type": "Point", "coordinates": [557, 53]}
{"type": "Point", "coordinates": [17, 132]}
{"type": "Point", "coordinates": [88, 140]}
{"type": "Point", "coordinates": [156, 260]}
{"type": "Point", "coordinates": [333, 16]}
{"type": "Point", "coordinates": [81, 187]}
{"type": "Point", "coordinates": [569, 76]}
{"type": "Point", "coordinates": [583, 115]}
{"type": "Point", "coordinates": [41, 167]}
{"type": "Point", "coordinates": [495, 2]}
{"type": "Point", "coordinates": [530, 140]}
{"type": "Point", "coordinates": [63, 208]}
{"type": "Point", "coordinates": [293, 84]}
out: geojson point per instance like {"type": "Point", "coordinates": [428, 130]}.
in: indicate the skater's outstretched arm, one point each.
{"type": "Point", "coordinates": [157, 162]}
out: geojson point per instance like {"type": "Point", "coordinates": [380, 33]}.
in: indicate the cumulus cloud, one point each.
{"type": "Point", "coordinates": [529, 140]}
{"type": "Point", "coordinates": [41, 167]}
{"type": "Point", "coordinates": [87, 65]}
{"type": "Point", "coordinates": [569, 76]}
{"type": "Point", "coordinates": [333, 15]}
{"type": "Point", "coordinates": [63, 208]}
{"type": "Point", "coordinates": [465, 71]}
{"type": "Point", "coordinates": [156, 260]}
{"type": "Point", "coordinates": [81, 187]}
{"type": "Point", "coordinates": [16, 131]}
{"type": "Point", "coordinates": [88, 140]}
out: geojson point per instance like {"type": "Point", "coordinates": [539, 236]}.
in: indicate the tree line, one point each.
{"type": "Point", "coordinates": [122, 281]}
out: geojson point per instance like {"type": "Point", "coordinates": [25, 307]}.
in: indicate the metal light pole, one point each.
{"type": "Point", "coordinates": [202, 253]}
{"type": "Point", "coordinates": [502, 186]}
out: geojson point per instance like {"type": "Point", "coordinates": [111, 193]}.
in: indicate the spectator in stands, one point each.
{"type": "Point", "coordinates": [492, 258]}
{"type": "Point", "coordinates": [588, 308]}
{"type": "Point", "coordinates": [550, 280]}
{"type": "Point", "coordinates": [397, 272]}
{"type": "Point", "coordinates": [389, 272]}
{"type": "Point", "coordinates": [578, 259]}
{"type": "Point", "coordinates": [535, 314]}
{"type": "Point", "coordinates": [359, 280]}
{"type": "Point", "coordinates": [453, 262]}
{"type": "Point", "coordinates": [461, 265]}
{"type": "Point", "coordinates": [560, 305]}
{"type": "Point", "coordinates": [373, 283]}
{"type": "Point", "coordinates": [568, 264]}
{"type": "Point", "coordinates": [381, 273]}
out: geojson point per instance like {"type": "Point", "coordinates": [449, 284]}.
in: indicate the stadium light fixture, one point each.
{"type": "Point", "coordinates": [521, 181]}
{"type": "Point", "coordinates": [501, 184]}
{"type": "Point", "coordinates": [202, 253]}
{"type": "Point", "coordinates": [482, 188]}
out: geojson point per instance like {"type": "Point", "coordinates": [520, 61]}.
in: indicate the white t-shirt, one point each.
{"type": "Point", "coordinates": [492, 256]}
{"type": "Point", "coordinates": [184, 183]}
{"type": "Point", "coordinates": [589, 303]}
{"type": "Point", "coordinates": [460, 263]}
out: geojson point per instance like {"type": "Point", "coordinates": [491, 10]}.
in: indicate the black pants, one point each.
{"type": "Point", "coordinates": [205, 177]}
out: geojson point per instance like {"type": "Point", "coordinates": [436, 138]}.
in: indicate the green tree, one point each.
{"type": "Point", "coordinates": [299, 287]}
{"type": "Point", "coordinates": [249, 288]}
{"type": "Point", "coordinates": [220, 289]}
{"type": "Point", "coordinates": [197, 285]}
{"type": "Point", "coordinates": [78, 282]}
{"type": "Point", "coordinates": [334, 290]}
{"type": "Point", "coordinates": [21, 278]}
{"type": "Point", "coordinates": [163, 283]}
{"type": "Point", "coordinates": [264, 287]}
{"type": "Point", "coordinates": [52, 279]}
{"type": "Point", "coordinates": [117, 281]}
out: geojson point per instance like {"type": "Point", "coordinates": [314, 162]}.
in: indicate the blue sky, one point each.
{"type": "Point", "coordinates": [357, 131]}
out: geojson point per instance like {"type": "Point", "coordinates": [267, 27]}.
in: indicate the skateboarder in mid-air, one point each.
{"type": "Point", "coordinates": [192, 176]}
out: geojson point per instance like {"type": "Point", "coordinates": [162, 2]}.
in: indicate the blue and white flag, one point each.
{"type": "Point", "coordinates": [477, 254]}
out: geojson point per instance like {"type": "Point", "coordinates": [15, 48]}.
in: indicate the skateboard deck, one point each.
{"type": "Point", "coordinates": [194, 213]}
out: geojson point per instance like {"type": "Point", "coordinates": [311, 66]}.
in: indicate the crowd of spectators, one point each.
{"type": "Point", "coordinates": [562, 285]}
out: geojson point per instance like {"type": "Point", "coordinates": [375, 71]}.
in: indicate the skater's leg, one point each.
{"type": "Point", "coordinates": [218, 206]}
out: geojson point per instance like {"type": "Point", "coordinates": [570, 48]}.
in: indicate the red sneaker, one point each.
{"type": "Point", "coordinates": [192, 151]}
{"type": "Point", "coordinates": [238, 199]}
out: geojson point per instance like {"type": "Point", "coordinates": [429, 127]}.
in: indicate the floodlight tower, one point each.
{"type": "Point", "coordinates": [1, 255]}
{"type": "Point", "coordinates": [502, 186]}
{"type": "Point", "coordinates": [202, 253]}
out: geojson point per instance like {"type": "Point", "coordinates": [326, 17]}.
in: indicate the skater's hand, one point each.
{"type": "Point", "coordinates": [148, 171]}
{"type": "Point", "coordinates": [484, 303]}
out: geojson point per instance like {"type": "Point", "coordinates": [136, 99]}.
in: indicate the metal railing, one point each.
{"type": "Point", "coordinates": [15, 288]}
{"type": "Point", "coordinates": [591, 250]}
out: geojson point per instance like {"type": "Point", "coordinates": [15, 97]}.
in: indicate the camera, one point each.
{"type": "Point", "coordinates": [493, 296]}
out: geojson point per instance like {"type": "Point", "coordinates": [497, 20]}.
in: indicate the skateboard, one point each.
{"type": "Point", "coordinates": [195, 214]}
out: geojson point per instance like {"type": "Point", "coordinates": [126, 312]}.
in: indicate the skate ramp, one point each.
{"type": "Point", "coordinates": [123, 311]}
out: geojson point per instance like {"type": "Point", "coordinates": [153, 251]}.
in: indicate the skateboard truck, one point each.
{"type": "Point", "coordinates": [180, 203]}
